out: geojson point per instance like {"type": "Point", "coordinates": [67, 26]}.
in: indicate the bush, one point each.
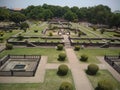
{"type": "Point", "coordinates": [79, 33]}
{"type": "Point", "coordinates": [94, 28]}
{"type": "Point", "coordinates": [92, 69]}
{"type": "Point", "coordinates": [9, 46]}
{"type": "Point", "coordinates": [102, 31]}
{"type": "Point", "coordinates": [84, 57]}
{"type": "Point", "coordinates": [66, 86]}
{"type": "Point", "coordinates": [24, 25]}
{"type": "Point", "coordinates": [35, 31]}
{"type": "Point", "coordinates": [61, 56]}
{"type": "Point", "coordinates": [59, 47]}
{"type": "Point", "coordinates": [117, 35]}
{"type": "Point", "coordinates": [50, 34]}
{"type": "Point", "coordinates": [20, 37]}
{"type": "Point", "coordinates": [1, 39]}
{"type": "Point", "coordinates": [105, 85]}
{"type": "Point", "coordinates": [10, 31]}
{"type": "Point", "coordinates": [77, 48]}
{"type": "Point", "coordinates": [62, 70]}
{"type": "Point", "coordinates": [1, 33]}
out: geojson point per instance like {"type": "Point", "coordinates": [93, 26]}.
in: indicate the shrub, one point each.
{"type": "Point", "coordinates": [55, 27]}
{"type": "Point", "coordinates": [94, 28]}
{"type": "Point", "coordinates": [1, 33]}
{"type": "Point", "coordinates": [1, 39]}
{"type": "Point", "coordinates": [117, 35]}
{"type": "Point", "coordinates": [102, 31]}
{"type": "Point", "coordinates": [59, 47]}
{"type": "Point", "coordinates": [61, 56]}
{"type": "Point", "coordinates": [20, 37]}
{"type": "Point", "coordinates": [10, 31]}
{"type": "Point", "coordinates": [105, 85]}
{"type": "Point", "coordinates": [79, 34]}
{"type": "Point", "coordinates": [62, 70]}
{"type": "Point", "coordinates": [77, 48]}
{"type": "Point", "coordinates": [50, 34]}
{"type": "Point", "coordinates": [66, 86]}
{"type": "Point", "coordinates": [92, 69]}
{"type": "Point", "coordinates": [24, 25]}
{"type": "Point", "coordinates": [35, 31]}
{"type": "Point", "coordinates": [112, 40]}
{"type": "Point", "coordinates": [84, 57]}
{"type": "Point", "coordinates": [9, 46]}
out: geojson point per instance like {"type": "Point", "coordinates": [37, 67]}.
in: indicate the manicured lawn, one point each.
{"type": "Point", "coordinates": [103, 75]}
{"type": "Point", "coordinates": [52, 82]}
{"type": "Point", "coordinates": [93, 52]}
{"type": "Point", "coordinates": [52, 53]}
{"type": "Point", "coordinates": [33, 27]}
{"type": "Point", "coordinates": [9, 34]}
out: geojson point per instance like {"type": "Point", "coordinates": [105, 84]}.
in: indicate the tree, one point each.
{"type": "Point", "coordinates": [70, 16]}
{"type": "Point", "coordinates": [17, 17]}
{"type": "Point", "coordinates": [4, 14]}
{"type": "Point", "coordinates": [24, 26]}
{"type": "Point", "coordinates": [115, 20]}
{"type": "Point", "coordinates": [75, 9]}
{"type": "Point", "coordinates": [47, 14]}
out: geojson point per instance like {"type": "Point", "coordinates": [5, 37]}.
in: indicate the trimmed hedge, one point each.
{"type": "Point", "coordinates": [50, 34]}
{"type": "Point", "coordinates": [105, 85]}
{"type": "Point", "coordinates": [20, 37]}
{"type": "Point", "coordinates": [35, 31]}
{"type": "Point", "coordinates": [92, 69]}
{"type": "Point", "coordinates": [9, 46]}
{"type": "Point", "coordinates": [61, 56]}
{"type": "Point", "coordinates": [77, 48]}
{"type": "Point", "coordinates": [59, 47]}
{"type": "Point", "coordinates": [62, 70]}
{"type": "Point", "coordinates": [1, 39]}
{"type": "Point", "coordinates": [84, 57]}
{"type": "Point", "coordinates": [66, 86]}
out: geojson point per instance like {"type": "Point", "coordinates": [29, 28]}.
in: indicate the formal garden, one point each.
{"type": "Point", "coordinates": [49, 53]}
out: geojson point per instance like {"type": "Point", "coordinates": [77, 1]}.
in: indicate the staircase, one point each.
{"type": "Point", "coordinates": [67, 41]}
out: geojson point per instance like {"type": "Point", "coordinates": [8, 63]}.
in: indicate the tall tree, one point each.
{"type": "Point", "coordinates": [70, 16]}
{"type": "Point", "coordinates": [4, 14]}
{"type": "Point", "coordinates": [115, 20]}
{"type": "Point", "coordinates": [17, 17]}
{"type": "Point", "coordinates": [47, 14]}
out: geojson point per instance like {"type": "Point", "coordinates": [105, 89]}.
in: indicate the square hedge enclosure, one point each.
{"type": "Point", "coordinates": [19, 65]}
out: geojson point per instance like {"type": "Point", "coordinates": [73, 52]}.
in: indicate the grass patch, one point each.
{"type": "Point", "coordinates": [93, 52]}
{"type": "Point", "coordinates": [52, 53]}
{"type": "Point", "coordinates": [52, 82]}
{"type": "Point", "coordinates": [9, 34]}
{"type": "Point", "coordinates": [102, 75]}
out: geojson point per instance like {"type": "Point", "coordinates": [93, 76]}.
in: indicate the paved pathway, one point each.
{"type": "Point", "coordinates": [80, 79]}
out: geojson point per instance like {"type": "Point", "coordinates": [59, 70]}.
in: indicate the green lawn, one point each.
{"type": "Point", "coordinates": [93, 52]}
{"type": "Point", "coordinates": [103, 75]}
{"type": "Point", "coordinates": [52, 53]}
{"type": "Point", "coordinates": [9, 34]}
{"type": "Point", "coordinates": [52, 82]}
{"type": "Point", "coordinates": [33, 27]}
